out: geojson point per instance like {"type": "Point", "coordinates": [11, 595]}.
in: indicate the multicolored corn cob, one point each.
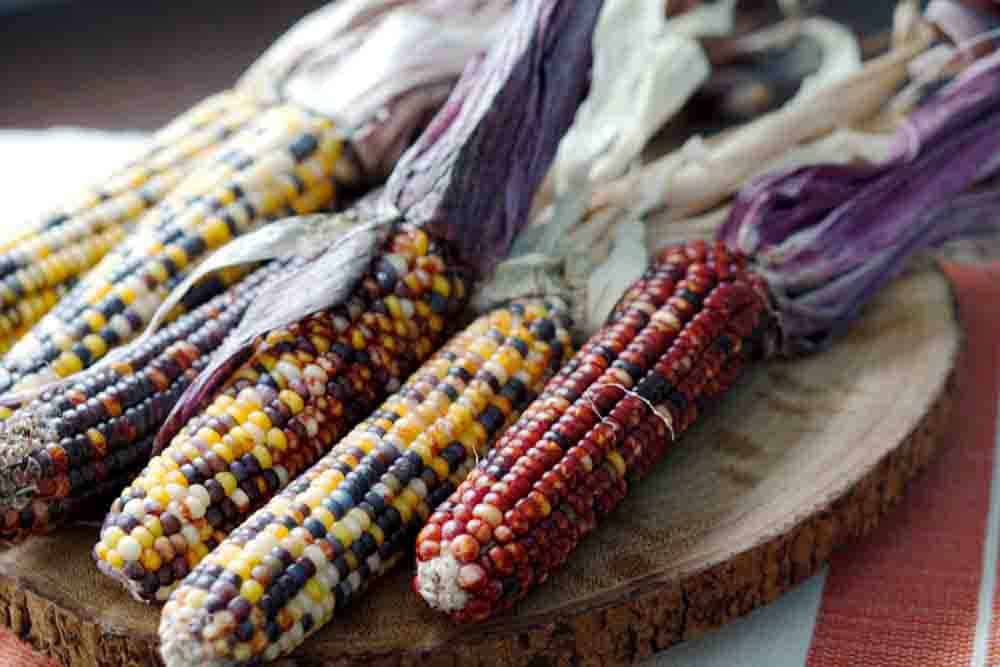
{"type": "Point", "coordinates": [315, 547]}
{"type": "Point", "coordinates": [84, 441]}
{"type": "Point", "coordinates": [304, 387]}
{"type": "Point", "coordinates": [286, 161]}
{"type": "Point", "coordinates": [42, 262]}
{"type": "Point", "coordinates": [568, 461]}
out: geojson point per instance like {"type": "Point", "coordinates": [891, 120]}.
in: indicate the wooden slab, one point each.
{"type": "Point", "coordinates": [801, 457]}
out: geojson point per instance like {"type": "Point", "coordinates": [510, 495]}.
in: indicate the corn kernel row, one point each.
{"type": "Point", "coordinates": [300, 392]}
{"type": "Point", "coordinates": [315, 547]}
{"type": "Point", "coordinates": [87, 433]}
{"type": "Point", "coordinates": [283, 162]}
{"type": "Point", "coordinates": [568, 461]}
{"type": "Point", "coordinates": [65, 244]}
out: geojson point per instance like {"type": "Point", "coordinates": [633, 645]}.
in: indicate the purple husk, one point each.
{"type": "Point", "coordinates": [470, 178]}
{"type": "Point", "coordinates": [828, 237]}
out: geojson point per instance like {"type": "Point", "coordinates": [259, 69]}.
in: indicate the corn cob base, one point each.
{"type": "Point", "coordinates": [75, 443]}
{"type": "Point", "coordinates": [714, 532]}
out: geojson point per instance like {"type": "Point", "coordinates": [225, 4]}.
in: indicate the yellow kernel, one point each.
{"type": "Point", "coordinates": [292, 400]}
{"type": "Point", "coordinates": [420, 242]}
{"type": "Point", "coordinates": [239, 438]}
{"type": "Point", "coordinates": [67, 364]}
{"type": "Point", "coordinates": [242, 567]}
{"type": "Point", "coordinates": [324, 516]}
{"type": "Point", "coordinates": [409, 497]}
{"type": "Point", "coordinates": [423, 451]}
{"type": "Point", "coordinates": [408, 429]}
{"type": "Point", "coordinates": [441, 285]}
{"type": "Point", "coordinates": [224, 451]}
{"type": "Point", "coordinates": [228, 482]}
{"type": "Point", "coordinates": [405, 511]}
{"type": "Point", "coordinates": [176, 477]}
{"type": "Point", "coordinates": [151, 560]}
{"type": "Point", "coordinates": [263, 456]}
{"type": "Point", "coordinates": [115, 560]}
{"type": "Point", "coordinates": [315, 590]}
{"type": "Point", "coordinates": [126, 294]}
{"type": "Point", "coordinates": [215, 232]}
{"type": "Point", "coordinates": [358, 340]}
{"type": "Point", "coordinates": [251, 590]}
{"type": "Point", "coordinates": [342, 534]}
{"type": "Point", "coordinates": [392, 304]}
{"type": "Point", "coordinates": [112, 535]}
{"type": "Point", "coordinates": [160, 495]}
{"type": "Point", "coordinates": [278, 531]}
{"type": "Point", "coordinates": [101, 550]}
{"type": "Point", "coordinates": [276, 438]}
{"type": "Point", "coordinates": [159, 272]}
{"type": "Point", "coordinates": [153, 525]}
{"type": "Point", "coordinates": [143, 537]}
{"type": "Point", "coordinates": [440, 467]}
{"type": "Point", "coordinates": [376, 534]}
{"type": "Point", "coordinates": [94, 320]}
{"type": "Point", "coordinates": [260, 420]}
{"type": "Point", "coordinates": [95, 345]}
{"type": "Point", "coordinates": [237, 412]}
{"type": "Point", "coordinates": [177, 253]}
{"type": "Point", "coordinates": [208, 436]}
{"type": "Point", "coordinates": [617, 461]}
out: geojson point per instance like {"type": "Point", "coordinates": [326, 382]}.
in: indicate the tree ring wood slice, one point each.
{"type": "Point", "coordinates": [799, 458]}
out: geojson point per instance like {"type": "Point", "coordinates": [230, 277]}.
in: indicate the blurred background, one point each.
{"type": "Point", "coordinates": [134, 65]}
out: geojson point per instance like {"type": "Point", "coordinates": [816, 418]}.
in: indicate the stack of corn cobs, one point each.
{"type": "Point", "coordinates": [301, 419]}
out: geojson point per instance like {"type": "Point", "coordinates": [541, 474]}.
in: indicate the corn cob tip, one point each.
{"type": "Point", "coordinates": [437, 583]}
{"type": "Point", "coordinates": [20, 436]}
{"type": "Point", "coordinates": [178, 646]}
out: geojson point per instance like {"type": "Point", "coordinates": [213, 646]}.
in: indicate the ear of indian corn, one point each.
{"type": "Point", "coordinates": [302, 389]}
{"type": "Point", "coordinates": [80, 441]}
{"type": "Point", "coordinates": [286, 161]}
{"type": "Point", "coordinates": [65, 243]}
{"type": "Point", "coordinates": [568, 461]}
{"type": "Point", "coordinates": [316, 546]}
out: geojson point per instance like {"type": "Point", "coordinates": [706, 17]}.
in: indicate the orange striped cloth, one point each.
{"type": "Point", "coordinates": [913, 593]}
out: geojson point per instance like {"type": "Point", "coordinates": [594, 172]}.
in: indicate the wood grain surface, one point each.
{"type": "Point", "coordinates": [801, 457]}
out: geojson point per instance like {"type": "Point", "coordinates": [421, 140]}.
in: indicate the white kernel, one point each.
{"type": "Point", "coordinates": [352, 526]}
{"type": "Point", "coordinates": [190, 534]}
{"type": "Point", "coordinates": [129, 548]}
{"type": "Point", "coordinates": [135, 508]}
{"type": "Point", "coordinates": [288, 371]}
{"type": "Point", "coordinates": [250, 395]}
{"type": "Point", "coordinates": [256, 432]}
{"type": "Point", "coordinates": [316, 379]}
{"type": "Point", "coordinates": [196, 507]}
{"type": "Point", "coordinates": [375, 563]}
{"type": "Point", "coordinates": [176, 491]}
{"type": "Point", "coordinates": [418, 487]}
{"type": "Point", "coordinates": [200, 492]}
{"type": "Point", "coordinates": [241, 499]}
{"type": "Point", "coordinates": [315, 554]}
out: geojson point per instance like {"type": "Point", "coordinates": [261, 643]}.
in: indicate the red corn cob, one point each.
{"type": "Point", "coordinates": [679, 338]}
